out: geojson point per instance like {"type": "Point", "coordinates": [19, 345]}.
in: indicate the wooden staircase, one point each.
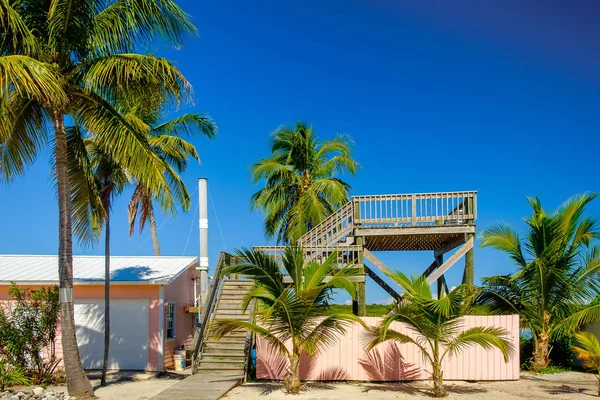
{"type": "Point", "coordinates": [229, 354]}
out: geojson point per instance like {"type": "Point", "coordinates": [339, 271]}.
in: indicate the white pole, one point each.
{"type": "Point", "coordinates": [203, 211]}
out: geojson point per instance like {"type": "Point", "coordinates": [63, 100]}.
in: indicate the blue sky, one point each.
{"type": "Point", "coordinates": [503, 100]}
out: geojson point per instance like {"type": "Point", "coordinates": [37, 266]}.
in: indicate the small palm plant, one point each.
{"type": "Point", "coordinates": [437, 325]}
{"type": "Point", "coordinates": [296, 313]}
{"type": "Point", "coordinates": [557, 273]}
{"type": "Point", "coordinates": [588, 352]}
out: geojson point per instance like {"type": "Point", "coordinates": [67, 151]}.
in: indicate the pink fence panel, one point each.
{"type": "Point", "coordinates": [347, 359]}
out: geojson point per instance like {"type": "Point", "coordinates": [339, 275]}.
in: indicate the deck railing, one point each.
{"type": "Point", "coordinates": [419, 209]}
{"type": "Point", "coordinates": [208, 310]}
{"type": "Point", "coordinates": [345, 254]}
{"type": "Point", "coordinates": [332, 229]}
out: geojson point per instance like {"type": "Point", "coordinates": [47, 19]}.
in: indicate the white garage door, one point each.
{"type": "Point", "coordinates": [128, 333]}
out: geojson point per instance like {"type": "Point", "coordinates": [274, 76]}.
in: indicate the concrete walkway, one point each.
{"type": "Point", "coordinates": [206, 386]}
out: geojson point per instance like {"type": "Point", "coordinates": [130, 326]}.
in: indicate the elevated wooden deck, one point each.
{"type": "Point", "coordinates": [438, 222]}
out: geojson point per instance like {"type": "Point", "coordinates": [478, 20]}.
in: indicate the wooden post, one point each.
{"type": "Point", "coordinates": [414, 209]}
{"type": "Point", "coordinates": [469, 275]}
{"type": "Point", "coordinates": [359, 306]}
{"type": "Point", "coordinates": [441, 282]}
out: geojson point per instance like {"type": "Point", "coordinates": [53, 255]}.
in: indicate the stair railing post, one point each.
{"type": "Point", "coordinates": [414, 209]}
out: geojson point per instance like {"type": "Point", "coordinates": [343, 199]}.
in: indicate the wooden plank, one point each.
{"type": "Point", "coordinates": [430, 269]}
{"type": "Point", "coordinates": [378, 263]}
{"type": "Point", "coordinates": [421, 230]}
{"type": "Point", "coordinates": [452, 245]}
{"type": "Point", "coordinates": [451, 261]}
{"type": "Point", "coordinates": [382, 284]}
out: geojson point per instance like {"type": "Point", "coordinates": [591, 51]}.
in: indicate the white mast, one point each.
{"type": "Point", "coordinates": [203, 220]}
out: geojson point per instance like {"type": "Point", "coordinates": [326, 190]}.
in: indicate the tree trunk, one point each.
{"type": "Point", "coordinates": [106, 293]}
{"type": "Point", "coordinates": [541, 352]}
{"type": "Point", "coordinates": [153, 229]}
{"type": "Point", "coordinates": [438, 382]}
{"type": "Point", "coordinates": [292, 382]}
{"type": "Point", "coordinates": [78, 384]}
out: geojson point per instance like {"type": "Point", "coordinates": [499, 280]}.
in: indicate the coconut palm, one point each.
{"type": "Point", "coordinates": [301, 186]}
{"type": "Point", "coordinates": [110, 180]}
{"type": "Point", "coordinates": [557, 273]}
{"type": "Point", "coordinates": [295, 313]}
{"type": "Point", "coordinates": [436, 325]}
{"type": "Point", "coordinates": [74, 58]}
{"type": "Point", "coordinates": [588, 352]}
{"type": "Point", "coordinates": [165, 140]}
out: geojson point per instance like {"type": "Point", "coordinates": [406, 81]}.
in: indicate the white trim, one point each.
{"type": "Point", "coordinates": [181, 272]}
{"type": "Point", "coordinates": [161, 329]}
{"type": "Point", "coordinates": [174, 304]}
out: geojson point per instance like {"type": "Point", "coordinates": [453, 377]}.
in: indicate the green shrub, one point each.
{"type": "Point", "coordinates": [28, 326]}
{"type": "Point", "coordinates": [563, 356]}
{"type": "Point", "coordinates": [11, 376]}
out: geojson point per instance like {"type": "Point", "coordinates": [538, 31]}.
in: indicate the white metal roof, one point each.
{"type": "Point", "coordinates": [32, 269]}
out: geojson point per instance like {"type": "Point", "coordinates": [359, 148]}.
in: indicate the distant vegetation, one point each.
{"type": "Point", "coordinates": [373, 310]}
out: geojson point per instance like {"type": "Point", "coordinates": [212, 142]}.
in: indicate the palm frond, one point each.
{"type": "Point", "coordinates": [221, 327]}
{"type": "Point", "coordinates": [30, 79]}
{"type": "Point", "coordinates": [488, 337]}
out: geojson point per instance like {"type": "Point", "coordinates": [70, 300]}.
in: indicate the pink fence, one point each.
{"type": "Point", "coordinates": [348, 360]}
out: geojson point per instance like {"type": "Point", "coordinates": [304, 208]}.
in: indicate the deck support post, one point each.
{"type": "Point", "coordinates": [359, 306]}
{"type": "Point", "coordinates": [441, 282]}
{"type": "Point", "coordinates": [469, 275]}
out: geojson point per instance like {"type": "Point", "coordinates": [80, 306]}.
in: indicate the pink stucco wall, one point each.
{"type": "Point", "coordinates": [180, 292]}
{"type": "Point", "coordinates": [348, 360]}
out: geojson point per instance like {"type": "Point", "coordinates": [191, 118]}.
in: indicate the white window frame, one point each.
{"type": "Point", "coordinates": [170, 317]}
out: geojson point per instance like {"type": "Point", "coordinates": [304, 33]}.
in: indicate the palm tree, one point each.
{"type": "Point", "coordinates": [165, 140]}
{"type": "Point", "coordinates": [110, 179]}
{"type": "Point", "coordinates": [437, 325]}
{"type": "Point", "coordinates": [295, 312]}
{"type": "Point", "coordinates": [557, 273]}
{"type": "Point", "coordinates": [301, 187]}
{"type": "Point", "coordinates": [73, 58]}
{"type": "Point", "coordinates": [588, 352]}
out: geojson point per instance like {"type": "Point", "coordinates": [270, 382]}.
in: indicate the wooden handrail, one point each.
{"type": "Point", "coordinates": [332, 229]}
{"type": "Point", "coordinates": [416, 209]}
{"type": "Point", "coordinates": [208, 311]}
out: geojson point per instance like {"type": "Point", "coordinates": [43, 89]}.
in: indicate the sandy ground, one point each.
{"type": "Point", "coordinates": [568, 385]}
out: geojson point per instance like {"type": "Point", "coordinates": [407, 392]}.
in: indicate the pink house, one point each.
{"type": "Point", "coordinates": [150, 297]}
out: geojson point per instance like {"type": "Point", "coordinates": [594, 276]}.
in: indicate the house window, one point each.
{"type": "Point", "coordinates": [171, 321]}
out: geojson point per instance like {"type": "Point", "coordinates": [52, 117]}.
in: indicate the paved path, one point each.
{"type": "Point", "coordinates": [205, 386]}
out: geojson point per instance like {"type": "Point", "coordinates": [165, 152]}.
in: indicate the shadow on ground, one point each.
{"type": "Point", "coordinates": [116, 378]}
{"type": "Point", "coordinates": [423, 389]}
{"type": "Point", "coordinates": [270, 387]}
{"type": "Point", "coordinates": [566, 389]}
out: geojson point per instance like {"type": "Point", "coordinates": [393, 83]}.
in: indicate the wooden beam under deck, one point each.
{"type": "Point", "coordinates": [414, 238]}
{"type": "Point", "coordinates": [435, 275]}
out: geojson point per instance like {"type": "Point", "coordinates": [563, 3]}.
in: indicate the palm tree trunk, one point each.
{"type": "Point", "coordinates": [438, 382]}
{"type": "Point", "coordinates": [78, 384]}
{"type": "Point", "coordinates": [541, 354]}
{"type": "Point", "coordinates": [292, 382]}
{"type": "Point", "coordinates": [153, 230]}
{"type": "Point", "coordinates": [106, 293]}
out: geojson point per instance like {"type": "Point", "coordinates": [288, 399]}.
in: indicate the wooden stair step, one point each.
{"type": "Point", "coordinates": [210, 357]}
{"type": "Point", "coordinates": [235, 291]}
{"type": "Point", "coordinates": [223, 352]}
{"type": "Point", "coordinates": [221, 365]}
{"type": "Point", "coordinates": [225, 346]}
